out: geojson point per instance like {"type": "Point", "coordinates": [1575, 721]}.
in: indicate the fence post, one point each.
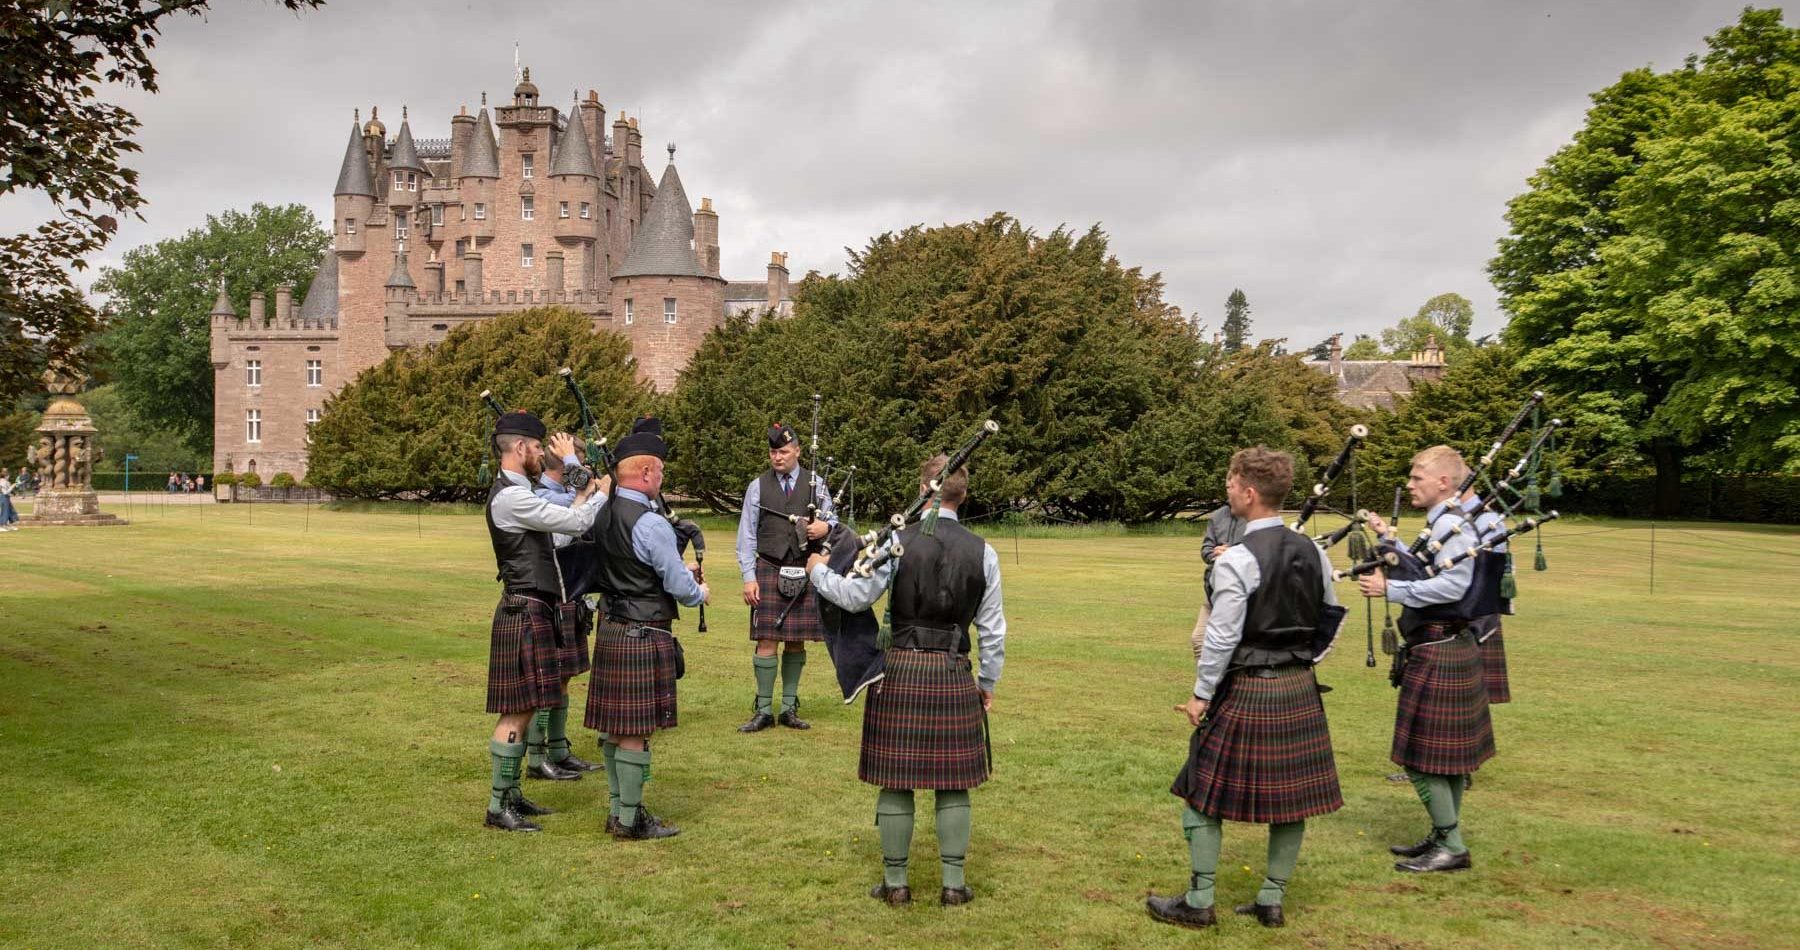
{"type": "Point", "coordinates": [1653, 557]}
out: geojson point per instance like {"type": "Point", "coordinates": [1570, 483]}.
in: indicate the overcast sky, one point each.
{"type": "Point", "coordinates": [1340, 162]}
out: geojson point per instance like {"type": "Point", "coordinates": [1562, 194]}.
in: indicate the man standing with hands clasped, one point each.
{"type": "Point", "coordinates": [1442, 731]}
{"type": "Point", "coordinates": [1261, 751]}
{"type": "Point", "coordinates": [785, 510]}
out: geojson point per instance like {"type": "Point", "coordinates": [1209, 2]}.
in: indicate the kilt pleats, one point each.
{"type": "Point", "coordinates": [524, 662]}
{"type": "Point", "coordinates": [632, 689]}
{"type": "Point", "coordinates": [1493, 666]}
{"type": "Point", "coordinates": [923, 725]}
{"type": "Point", "coordinates": [1264, 754]}
{"type": "Point", "coordinates": [802, 622]}
{"type": "Point", "coordinates": [1441, 723]}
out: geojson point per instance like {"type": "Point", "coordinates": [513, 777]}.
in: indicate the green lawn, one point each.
{"type": "Point", "coordinates": [215, 732]}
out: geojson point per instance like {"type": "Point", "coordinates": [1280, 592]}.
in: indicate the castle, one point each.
{"type": "Point", "coordinates": [532, 206]}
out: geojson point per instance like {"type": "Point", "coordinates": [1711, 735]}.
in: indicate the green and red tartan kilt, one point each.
{"type": "Point", "coordinates": [803, 621]}
{"type": "Point", "coordinates": [524, 664]}
{"type": "Point", "coordinates": [923, 726]}
{"type": "Point", "coordinates": [1266, 755]}
{"type": "Point", "coordinates": [1441, 724]}
{"type": "Point", "coordinates": [576, 622]}
{"type": "Point", "coordinates": [632, 689]}
{"type": "Point", "coordinates": [1493, 659]}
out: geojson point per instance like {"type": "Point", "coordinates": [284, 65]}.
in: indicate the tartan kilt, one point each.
{"type": "Point", "coordinates": [923, 725]}
{"type": "Point", "coordinates": [576, 621]}
{"type": "Point", "coordinates": [803, 621]}
{"type": "Point", "coordinates": [1493, 664]}
{"type": "Point", "coordinates": [524, 665]}
{"type": "Point", "coordinates": [1266, 757]}
{"type": "Point", "coordinates": [632, 689]}
{"type": "Point", "coordinates": [1441, 724]}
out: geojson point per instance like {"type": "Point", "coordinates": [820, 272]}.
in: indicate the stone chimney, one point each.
{"type": "Point", "coordinates": [284, 304]}
{"type": "Point", "coordinates": [1337, 354]}
{"type": "Point", "coordinates": [462, 126]}
{"type": "Point", "coordinates": [472, 274]}
{"type": "Point", "coordinates": [1429, 362]}
{"type": "Point", "coordinates": [593, 119]}
{"type": "Point", "coordinates": [257, 319]}
{"type": "Point", "coordinates": [778, 280]}
{"type": "Point", "coordinates": [553, 271]}
{"type": "Point", "coordinates": [706, 237]}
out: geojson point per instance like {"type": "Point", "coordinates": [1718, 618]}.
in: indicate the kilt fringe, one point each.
{"type": "Point", "coordinates": [923, 725]}
{"type": "Point", "coordinates": [802, 622]}
{"type": "Point", "coordinates": [632, 689]}
{"type": "Point", "coordinates": [1441, 722]}
{"type": "Point", "coordinates": [1264, 753]}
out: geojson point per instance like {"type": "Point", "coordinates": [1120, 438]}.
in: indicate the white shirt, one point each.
{"type": "Point", "coordinates": [1235, 577]}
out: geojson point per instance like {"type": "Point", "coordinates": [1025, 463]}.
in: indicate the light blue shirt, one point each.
{"type": "Point", "coordinates": [861, 593]}
{"type": "Point", "coordinates": [746, 535]}
{"type": "Point", "coordinates": [1488, 524]}
{"type": "Point", "coordinates": [1449, 586]}
{"type": "Point", "coordinates": [553, 490]}
{"type": "Point", "coordinates": [653, 541]}
{"type": "Point", "coordinates": [1236, 576]}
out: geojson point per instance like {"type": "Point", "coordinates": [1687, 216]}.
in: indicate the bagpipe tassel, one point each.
{"type": "Point", "coordinates": [1390, 638]}
{"type": "Point", "coordinates": [1359, 546]}
{"type": "Point", "coordinates": [484, 475]}
{"type": "Point", "coordinates": [884, 638]}
{"type": "Point", "coordinates": [1532, 497]}
{"type": "Point", "coordinates": [928, 524]}
{"type": "Point", "coordinates": [1509, 588]}
{"type": "Point", "coordinates": [1555, 489]}
{"type": "Point", "coordinates": [1541, 564]}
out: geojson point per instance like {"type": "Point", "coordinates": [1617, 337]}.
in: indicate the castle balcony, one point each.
{"type": "Point", "coordinates": [576, 228]}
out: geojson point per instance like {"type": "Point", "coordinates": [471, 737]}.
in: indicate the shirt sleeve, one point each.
{"type": "Point", "coordinates": [516, 509]}
{"type": "Point", "coordinates": [653, 541]}
{"type": "Point", "coordinates": [852, 593]}
{"type": "Point", "coordinates": [990, 623]}
{"type": "Point", "coordinates": [1235, 576]}
{"type": "Point", "coordinates": [1447, 587]}
{"type": "Point", "coordinates": [1330, 588]}
{"type": "Point", "coordinates": [746, 536]}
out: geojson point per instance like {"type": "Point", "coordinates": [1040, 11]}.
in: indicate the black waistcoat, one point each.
{"type": "Point", "coordinates": [1283, 612]}
{"type": "Point", "coordinates": [776, 538]}
{"type": "Point", "coordinates": [633, 591]}
{"type": "Point", "coordinates": [937, 587]}
{"type": "Point", "coordinates": [526, 559]}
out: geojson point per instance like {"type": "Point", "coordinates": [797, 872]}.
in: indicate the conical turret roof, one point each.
{"type": "Point", "coordinates": [483, 160]}
{"type": "Point", "coordinates": [400, 278]}
{"type": "Point", "coordinates": [573, 157]}
{"type": "Point", "coordinates": [321, 300]}
{"type": "Point", "coordinates": [222, 306]}
{"type": "Point", "coordinates": [355, 178]}
{"type": "Point", "coordinates": [665, 241]}
{"type": "Point", "coordinates": [405, 154]}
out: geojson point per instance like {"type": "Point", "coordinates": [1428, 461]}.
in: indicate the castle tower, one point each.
{"type": "Point", "coordinates": [480, 172]}
{"type": "Point", "coordinates": [577, 196]}
{"type": "Point", "coordinates": [663, 300]}
{"type": "Point", "coordinates": [407, 171]}
{"type": "Point", "coordinates": [354, 198]}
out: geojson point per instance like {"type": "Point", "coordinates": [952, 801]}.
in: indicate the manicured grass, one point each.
{"type": "Point", "coordinates": [222, 733]}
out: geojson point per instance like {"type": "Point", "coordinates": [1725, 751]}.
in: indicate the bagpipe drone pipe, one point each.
{"type": "Point", "coordinates": [1476, 471]}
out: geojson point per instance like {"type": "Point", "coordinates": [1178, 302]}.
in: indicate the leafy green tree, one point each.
{"type": "Point", "coordinates": [1098, 384]}
{"type": "Point", "coordinates": [1363, 347]}
{"type": "Point", "coordinates": [161, 294]}
{"type": "Point", "coordinates": [1445, 318]}
{"type": "Point", "coordinates": [1650, 269]}
{"type": "Point", "coordinates": [64, 143]}
{"type": "Point", "coordinates": [18, 430]}
{"type": "Point", "coordinates": [1237, 321]}
{"type": "Point", "coordinates": [414, 426]}
{"type": "Point", "coordinates": [123, 432]}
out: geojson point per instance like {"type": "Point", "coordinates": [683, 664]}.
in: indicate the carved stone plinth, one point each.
{"type": "Point", "coordinates": [65, 457]}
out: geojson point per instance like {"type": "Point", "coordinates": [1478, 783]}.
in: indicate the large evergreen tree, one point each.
{"type": "Point", "coordinates": [1236, 327]}
{"type": "Point", "coordinates": [1650, 270]}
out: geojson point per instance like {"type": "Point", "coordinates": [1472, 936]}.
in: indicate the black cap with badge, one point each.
{"type": "Point", "coordinates": [781, 434]}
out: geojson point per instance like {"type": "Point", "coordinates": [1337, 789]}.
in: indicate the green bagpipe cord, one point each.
{"type": "Point", "coordinates": [885, 637]}
{"type": "Point", "coordinates": [1509, 588]}
{"type": "Point", "coordinates": [484, 475]}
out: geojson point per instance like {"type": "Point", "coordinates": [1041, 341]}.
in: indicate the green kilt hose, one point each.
{"type": "Point", "coordinates": [803, 621]}
{"type": "Point", "coordinates": [1264, 753]}
{"type": "Point", "coordinates": [524, 659]}
{"type": "Point", "coordinates": [923, 725]}
{"type": "Point", "coordinates": [1493, 659]}
{"type": "Point", "coordinates": [1441, 724]}
{"type": "Point", "coordinates": [575, 620]}
{"type": "Point", "coordinates": [632, 689]}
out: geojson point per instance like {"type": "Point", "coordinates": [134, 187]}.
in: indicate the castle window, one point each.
{"type": "Point", "coordinates": [525, 163]}
{"type": "Point", "coordinates": [315, 372]}
{"type": "Point", "coordinates": [412, 181]}
{"type": "Point", "coordinates": [312, 416]}
{"type": "Point", "coordinates": [462, 212]}
{"type": "Point", "coordinates": [609, 219]}
{"type": "Point", "coordinates": [480, 211]}
{"type": "Point", "coordinates": [253, 373]}
{"type": "Point", "coordinates": [437, 215]}
{"type": "Point", "coordinates": [527, 208]}
{"type": "Point", "coordinates": [252, 426]}
{"type": "Point", "coordinates": [628, 311]}
{"type": "Point", "coordinates": [562, 209]}
{"type": "Point", "coordinates": [668, 309]}
{"type": "Point", "coordinates": [587, 211]}
{"type": "Point", "coordinates": [525, 255]}
{"type": "Point", "coordinates": [462, 244]}
{"type": "Point", "coordinates": [461, 287]}
{"type": "Point", "coordinates": [399, 181]}
{"type": "Point", "coordinates": [349, 225]}
{"type": "Point", "coordinates": [399, 225]}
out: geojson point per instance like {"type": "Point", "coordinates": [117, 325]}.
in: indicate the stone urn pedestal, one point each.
{"type": "Point", "coordinates": [65, 456]}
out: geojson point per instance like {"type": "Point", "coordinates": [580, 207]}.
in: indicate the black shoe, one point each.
{"type": "Point", "coordinates": [517, 801]}
{"type": "Point", "coordinates": [612, 824]}
{"type": "Point", "coordinates": [508, 820]}
{"type": "Point", "coordinates": [758, 723]}
{"type": "Point", "coordinates": [648, 828]}
{"type": "Point", "coordinates": [952, 896]}
{"type": "Point", "coordinates": [1414, 850]}
{"type": "Point", "coordinates": [892, 896]}
{"type": "Point", "coordinates": [1468, 781]}
{"type": "Point", "coordinates": [791, 719]}
{"type": "Point", "coordinates": [1438, 859]}
{"type": "Point", "coordinates": [551, 772]}
{"type": "Point", "coordinates": [1268, 914]}
{"type": "Point", "coordinates": [1176, 910]}
{"type": "Point", "coordinates": [572, 763]}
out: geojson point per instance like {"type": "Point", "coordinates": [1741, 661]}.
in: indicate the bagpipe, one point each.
{"type": "Point", "coordinates": [1358, 433]}
{"type": "Point", "coordinates": [856, 641]}
{"type": "Point", "coordinates": [485, 474]}
{"type": "Point", "coordinates": [598, 458]}
{"type": "Point", "coordinates": [1425, 541]}
{"type": "Point", "coordinates": [1489, 545]}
